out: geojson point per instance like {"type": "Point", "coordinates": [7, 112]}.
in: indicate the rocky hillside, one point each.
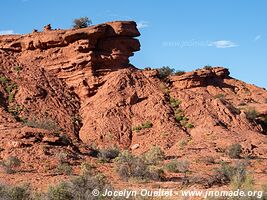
{"type": "Point", "coordinates": [74, 90]}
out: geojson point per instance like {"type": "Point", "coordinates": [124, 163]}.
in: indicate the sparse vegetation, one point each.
{"type": "Point", "coordinates": [17, 68]}
{"type": "Point", "coordinates": [86, 169]}
{"type": "Point", "coordinates": [154, 155]}
{"type": "Point", "coordinates": [82, 22]}
{"type": "Point", "coordinates": [144, 125]}
{"type": "Point", "coordinates": [207, 67]}
{"type": "Point", "coordinates": [63, 166]}
{"type": "Point", "coordinates": [79, 187]}
{"type": "Point", "coordinates": [237, 175]}
{"type": "Point", "coordinates": [234, 151]}
{"type": "Point", "coordinates": [130, 166]}
{"type": "Point", "coordinates": [19, 192]}
{"type": "Point", "coordinates": [208, 160]}
{"type": "Point", "coordinates": [182, 143]}
{"type": "Point", "coordinates": [179, 73]}
{"type": "Point", "coordinates": [10, 164]}
{"type": "Point", "coordinates": [178, 166]}
{"type": "Point", "coordinates": [106, 155]}
{"type": "Point", "coordinates": [172, 166]}
{"type": "Point", "coordinates": [165, 72]}
{"type": "Point", "coordinates": [179, 116]}
{"type": "Point", "coordinates": [251, 113]}
{"type": "Point", "coordinates": [46, 124]}
{"type": "Point", "coordinates": [219, 96]}
{"type": "Point", "coordinates": [175, 102]}
{"type": "Point", "coordinates": [4, 80]}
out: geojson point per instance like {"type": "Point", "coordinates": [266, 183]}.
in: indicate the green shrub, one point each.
{"type": "Point", "coordinates": [234, 150]}
{"type": "Point", "coordinates": [59, 192]}
{"type": "Point", "coordinates": [219, 96]}
{"type": "Point", "coordinates": [130, 166]}
{"type": "Point", "coordinates": [82, 22]}
{"type": "Point", "coordinates": [9, 89]}
{"type": "Point", "coordinates": [242, 179]}
{"type": "Point", "coordinates": [4, 80]}
{"type": "Point", "coordinates": [86, 169]}
{"type": "Point", "coordinates": [237, 175]}
{"type": "Point", "coordinates": [182, 143]}
{"type": "Point", "coordinates": [165, 71]}
{"type": "Point", "coordinates": [19, 192]}
{"type": "Point", "coordinates": [188, 125]}
{"type": "Point", "coordinates": [172, 166]}
{"type": "Point", "coordinates": [154, 155]}
{"type": "Point", "coordinates": [175, 102]}
{"type": "Point", "coordinates": [64, 168]}
{"type": "Point", "coordinates": [251, 113]}
{"type": "Point", "coordinates": [18, 68]}
{"type": "Point", "coordinates": [10, 164]}
{"type": "Point", "coordinates": [144, 125]}
{"type": "Point", "coordinates": [207, 67]}
{"type": "Point", "coordinates": [179, 73]}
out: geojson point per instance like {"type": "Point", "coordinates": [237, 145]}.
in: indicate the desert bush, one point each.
{"type": "Point", "coordinates": [175, 102]}
{"type": "Point", "coordinates": [82, 22]}
{"type": "Point", "coordinates": [106, 155]}
{"type": "Point", "coordinates": [172, 166]}
{"type": "Point", "coordinates": [178, 166]}
{"type": "Point", "coordinates": [59, 192]}
{"type": "Point", "coordinates": [19, 192]}
{"type": "Point", "coordinates": [79, 187]}
{"type": "Point", "coordinates": [62, 157]}
{"type": "Point", "coordinates": [165, 72]}
{"type": "Point", "coordinates": [237, 175]}
{"type": "Point", "coordinates": [251, 113]}
{"type": "Point", "coordinates": [241, 179]}
{"type": "Point", "coordinates": [222, 175]}
{"type": "Point", "coordinates": [4, 80]}
{"type": "Point", "coordinates": [64, 168]}
{"type": "Point", "coordinates": [179, 73]}
{"type": "Point", "coordinates": [207, 67]}
{"type": "Point", "coordinates": [154, 155]}
{"type": "Point", "coordinates": [144, 125]}
{"type": "Point", "coordinates": [208, 160]}
{"type": "Point", "coordinates": [182, 143]}
{"type": "Point", "coordinates": [17, 68]}
{"type": "Point", "coordinates": [130, 166]}
{"type": "Point", "coordinates": [155, 173]}
{"type": "Point", "coordinates": [86, 169]}
{"type": "Point", "coordinates": [219, 96]}
{"type": "Point", "coordinates": [10, 164]}
{"type": "Point", "coordinates": [46, 124]}
{"type": "Point", "coordinates": [189, 125]}
{"type": "Point", "coordinates": [234, 150]}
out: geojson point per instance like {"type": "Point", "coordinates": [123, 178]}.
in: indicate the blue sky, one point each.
{"type": "Point", "coordinates": [182, 34]}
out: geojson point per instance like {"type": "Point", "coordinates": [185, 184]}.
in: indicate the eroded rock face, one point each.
{"type": "Point", "coordinates": [201, 78]}
{"type": "Point", "coordinates": [79, 57]}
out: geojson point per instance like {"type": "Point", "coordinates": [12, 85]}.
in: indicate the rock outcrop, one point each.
{"type": "Point", "coordinates": [70, 90]}
{"type": "Point", "coordinates": [201, 78]}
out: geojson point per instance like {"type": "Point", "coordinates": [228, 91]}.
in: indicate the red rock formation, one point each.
{"type": "Point", "coordinates": [79, 86]}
